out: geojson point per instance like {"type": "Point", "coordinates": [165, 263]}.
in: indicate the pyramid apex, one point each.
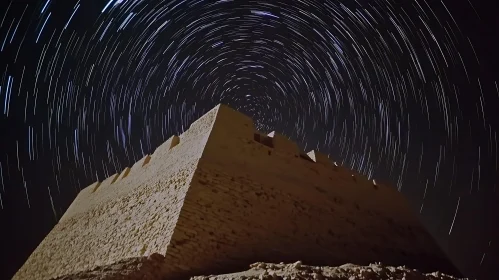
{"type": "Point", "coordinates": [224, 117]}
{"type": "Point", "coordinates": [219, 105]}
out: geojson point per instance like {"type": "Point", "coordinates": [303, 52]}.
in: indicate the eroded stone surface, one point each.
{"type": "Point", "coordinates": [281, 271]}
{"type": "Point", "coordinates": [150, 269]}
{"type": "Point", "coordinates": [223, 195]}
{"type": "Point", "coordinates": [144, 268]}
{"type": "Point", "coordinates": [123, 218]}
{"type": "Point", "coordinates": [259, 200]}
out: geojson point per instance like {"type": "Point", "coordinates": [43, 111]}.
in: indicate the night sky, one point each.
{"type": "Point", "coordinates": [402, 91]}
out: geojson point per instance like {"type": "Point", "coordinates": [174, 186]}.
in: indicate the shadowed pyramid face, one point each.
{"type": "Point", "coordinates": [221, 196]}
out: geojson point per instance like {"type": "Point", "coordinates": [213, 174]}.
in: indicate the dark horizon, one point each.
{"type": "Point", "coordinates": [402, 91]}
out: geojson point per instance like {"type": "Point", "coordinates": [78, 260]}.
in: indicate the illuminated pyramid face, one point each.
{"type": "Point", "coordinates": [221, 196]}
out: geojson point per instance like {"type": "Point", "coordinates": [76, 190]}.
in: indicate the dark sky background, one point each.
{"type": "Point", "coordinates": [403, 91]}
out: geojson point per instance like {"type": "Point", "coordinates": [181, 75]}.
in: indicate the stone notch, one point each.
{"type": "Point", "coordinates": [95, 186]}
{"type": "Point", "coordinates": [221, 196]}
{"type": "Point", "coordinates": [167, 146]}
{"type": "Point", "coordinates": [138, 166]}
{"type": "Point", "coordinates": [83, 196]}
{"type": "Point", "coordinates": [145, 160]}
{"type": "Point", "coordinates": [319, 157]}
{"type": "Point", "coordinates": [108, 181]}
{"type": "Point", "coordinates": [283, 144]}
{"type": "Point", "coordinates": [124, 173]}
{"type": "Point", "coordinates": [263, 139]}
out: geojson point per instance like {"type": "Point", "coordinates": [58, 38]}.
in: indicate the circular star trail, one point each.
{"type": "Point", "coordinates": [390, 89]}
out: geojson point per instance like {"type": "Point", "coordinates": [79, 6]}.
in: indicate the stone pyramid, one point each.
{"type": "Point", "coordinates": [221, 196]}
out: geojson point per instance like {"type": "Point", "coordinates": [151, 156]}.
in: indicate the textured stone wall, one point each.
{"type": "Point", "coordinates": [128, 215]}
{"type": "Point", "coordinates": [250, 202]}
{"type": "Point", "coordinates": [221, 196]}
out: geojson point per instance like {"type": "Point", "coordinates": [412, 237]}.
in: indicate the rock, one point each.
{"type": "Point", "coordinates": [150, 268]}
{"type": "Point", "coordinates": [259, 265]}
{"type": "Point", "coordinates": [297, 265]}
{"type": "Point", "coordinates": [299, 271]}
{"type": "Point", "coordinates": [317, 276]}
{"type": "Point", "coordinates": [156, 257]}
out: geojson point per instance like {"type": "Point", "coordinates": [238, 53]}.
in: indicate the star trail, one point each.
{"type": "Point", "coordinates": [392, 89]}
